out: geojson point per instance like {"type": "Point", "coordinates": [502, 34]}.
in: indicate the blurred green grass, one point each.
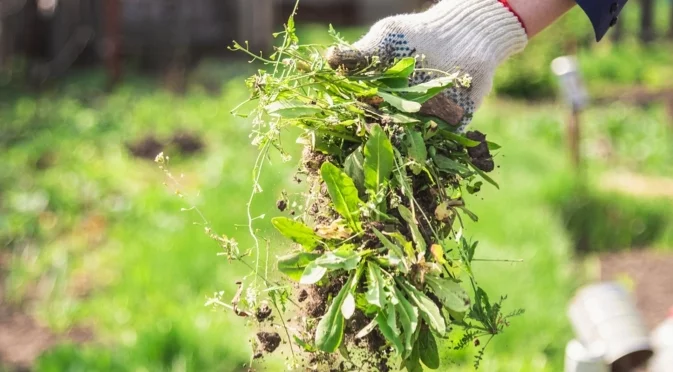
{"type": "Point", "coordinates": [606, 66]}
{"type": "Point", "coordinates": [97, 240]}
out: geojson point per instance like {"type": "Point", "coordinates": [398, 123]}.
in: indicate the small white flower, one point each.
{"type": "Point", "coordinates": [465, 81]}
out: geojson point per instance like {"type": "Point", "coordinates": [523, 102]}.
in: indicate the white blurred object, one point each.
{"type": "Point", "coordinates": [47, 7]}
{"type": "Point", "coordinates": [662, 342]}
{"type": "Point", "coordinates": [572, 86]}
{"type": "Point", "coordinates": [604, 317]}
{"type": "Point", "coordinates": [580, 359]}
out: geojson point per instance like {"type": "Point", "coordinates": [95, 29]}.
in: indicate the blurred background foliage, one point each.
{"type": "Point", "coordinates": [91, 238]}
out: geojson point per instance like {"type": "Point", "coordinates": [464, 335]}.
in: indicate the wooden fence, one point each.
{"type": "Point", "coordinates": [54, 34]}
{"type": "Point", "coordinates": [647, 30]}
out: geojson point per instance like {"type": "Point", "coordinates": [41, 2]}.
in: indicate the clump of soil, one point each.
{"type": "Point", "coordinates": [147, 147]}
{"type": "Point", "coordinates": [319, 297]}
{"type": "Point", "coordinates": [312, 161]}
{"type": "Point", "coordinates": [480, 155]}
{"type": "Point", "coordinates": [303, 295]}
{"type": "Point", "coordinates": [269, 341]}
{"type": "Point", "coordinates": [46, 160]}
{"type": "Point", "coordinates": [263, 312]}
{"type": "Point", "coordinates": [320, 209]}
{"type": "Point", "coordinates": [371, 350]}
{"type": "Point", "coordinates": [367, 353]}
{"type": "Point", "coordinates": [186, 142]}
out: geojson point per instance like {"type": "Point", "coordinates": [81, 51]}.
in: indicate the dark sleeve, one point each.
{"type": "Point", "coordinates": [602, 13]}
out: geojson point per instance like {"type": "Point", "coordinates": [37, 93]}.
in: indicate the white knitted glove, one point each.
{"type": "Point", "coordinates": [467, 36]}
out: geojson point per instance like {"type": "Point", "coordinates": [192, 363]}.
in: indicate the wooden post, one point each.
{"type": "Point", "coordinates": [575, 94]}
{"type": "Point", "coordinates": [670, 20]}
{"type": "Point", "coordinates": [255, 23]}
{"type": "Point", "coordinates": [4, 46]}
{"type": "Point", "coordinates": [574, 138]}
{"type": "Point", "coordinates": [647, 32]}
{"type": "Point", "coordinates": [112, 39]}
{"type": "Point", "coordinates": [669, 109]}
{"type": "Point", "coordinates": [617, 32]}
{"type": "Point", "coordinates": [178, 38]}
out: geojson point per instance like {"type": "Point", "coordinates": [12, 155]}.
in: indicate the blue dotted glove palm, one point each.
{"type": "Point", "coordinates": [467, 36]}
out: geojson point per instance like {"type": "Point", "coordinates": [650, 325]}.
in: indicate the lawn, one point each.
{"type": "Point", "coordinates": [91, 236]}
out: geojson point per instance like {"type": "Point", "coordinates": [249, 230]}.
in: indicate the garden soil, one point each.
{"type": "Point", "coordinates": [651, 273]}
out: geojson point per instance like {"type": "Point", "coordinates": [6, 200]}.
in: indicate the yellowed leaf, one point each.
{"type": "Point", "coordinates": [438, 253]}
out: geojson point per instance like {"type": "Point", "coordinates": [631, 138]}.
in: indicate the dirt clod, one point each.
{"type": "Point", "coordinates": [303, 295]}
{"type": "Point", "coordinates": [146, 148]}
{"type": "Point", "coordinates": [313, 160]}
{"type": "Point", "coordinates": [480, 155]}
{"type": "Point", "coordinates": [263, 312]}
{"type": "Point", "coordinates": [187, 143]}
{"type": "Point", "coordinates": [281, 205]}
{"type": "Point", "coordinates": [269, 340]}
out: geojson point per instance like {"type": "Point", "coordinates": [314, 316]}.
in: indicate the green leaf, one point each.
{"type": "Point", "coordinates": [470, 249]}
{"type": "Point", "coordinates": [456, 316]}
{"type": "Point", "coordinates": [401, 104]}
{"type": "Point", "coordinates": [421, 93]}
{"type": "Point", "coordinates": [427, 347]}
{"type": "Point", "coordinates": [392, 248]}
{"type": "Point", "coordinates": [408, 315]}
{"type": "Point", "coordinates": [412, 363]}
{"type": "Point", "coordinates": [485, 177]}
{"type": "Point", "coordinates": [321, 144]}
{"type": "Point", "coordinates": [392, 318]}
{"type": "Point", "coordinates": [375, 286]}
{"type": "Point", "coordinates": [416, 150]}
{"type": "Point", "coordinates": [400, 82]}
{"type": "Point", "coordinates": [312, 273]}
{"type": "Point", "coordinates": [428, 310]}
{"type": "Point", "coordinates": [388, 333]}
{"type": "Point", "coordinates": [470, 214]}
{"type": "Point", "coordinates": [403, 68]}
{"type": "Point", "coordinates": [413, 225]}
{"type": "Point", "coordinates": [450, 293]}
{"type": "Point", "coordinates": [293, 265]}
{"type": "Point", "coordinates": [297, 232]}
{"type": "Point", "coordinates": [459, 139]}
{"type": "Point", "coordinates": [450, 165]}
{"type": "Point", "coordinates": [304, 345]}
{"type": "Point", "coordinates": [354, 167]}
{"type": "Point", "coordinates": [292, 109]}
{"type": "Point", "coordinates": [493, 146]}
{"type": "Point", "coordinates": [343, 258]}
{"type": "Point", "coordinates": [467, 253]}
{"type": "Point", "coordinates": [378, 159]}
{"type": "Point", "coordinates": [437, 84]}
{"type": "Point", "coordinates": [371, 92]}
{"type": "Point", "coordinates": [330, 329]}
{"type": "Point", "coordinates": [343, 193]}
{"type": "Point", "coordinates": [398, 118]}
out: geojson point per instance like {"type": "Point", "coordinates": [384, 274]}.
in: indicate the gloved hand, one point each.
{"type": "Point", "coordinates": [469, 36]}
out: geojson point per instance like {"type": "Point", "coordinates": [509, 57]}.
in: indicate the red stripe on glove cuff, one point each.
{"type": "Point", "coordinates": [509, 7]}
